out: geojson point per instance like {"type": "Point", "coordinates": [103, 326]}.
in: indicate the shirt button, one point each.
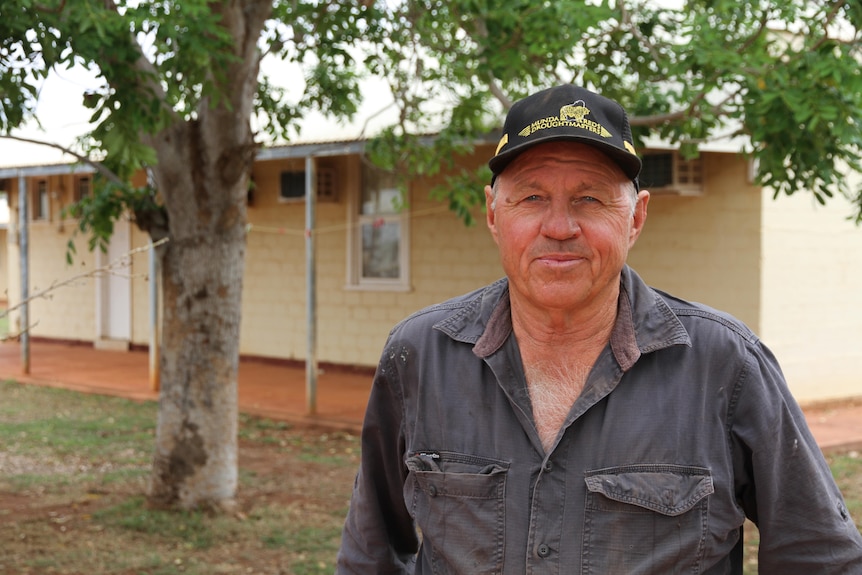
{"type": "Point", "coordinates": [544, 550]}
{"type": "Point", "coordinates": [548, 466]}
{"type": "Point", "coordinates": [432, 490]}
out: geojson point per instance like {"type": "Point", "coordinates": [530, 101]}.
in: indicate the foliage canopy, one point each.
{"type": "Point", "coordinates": [781, 75]}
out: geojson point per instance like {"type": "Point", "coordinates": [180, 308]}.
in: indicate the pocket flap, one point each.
{"type": "Point", "coordinates": [668, 489]}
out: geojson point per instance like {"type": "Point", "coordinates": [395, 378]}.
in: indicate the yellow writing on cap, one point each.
{"type": "Point", "coordinates": [629, 147]}
{"type": "Point", "coordinates": [503, 141]}
{"type": "Point", "coordinates": [571, 115]}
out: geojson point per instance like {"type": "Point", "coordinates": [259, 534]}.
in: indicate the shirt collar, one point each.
{"type": "Point", "coordinates": [644, 321]}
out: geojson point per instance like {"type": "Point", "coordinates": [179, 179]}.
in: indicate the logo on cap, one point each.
{"type": "Point", "coordinates": [571, 115]}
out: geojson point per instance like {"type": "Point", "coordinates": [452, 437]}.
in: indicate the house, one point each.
{"type": "Point", "coordinates": [787, 267]}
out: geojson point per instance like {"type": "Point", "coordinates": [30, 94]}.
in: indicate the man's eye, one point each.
{"type": "Point", "coordinates": [533, 198]}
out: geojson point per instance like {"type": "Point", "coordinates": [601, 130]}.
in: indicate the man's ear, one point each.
{"type": "Point", "coordinates": [490, 216]}
{"type": "Point", "coordinates": [639, 217]}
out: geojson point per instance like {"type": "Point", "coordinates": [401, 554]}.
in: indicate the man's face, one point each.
{"type": "Point", "coordinates": [564, 224]}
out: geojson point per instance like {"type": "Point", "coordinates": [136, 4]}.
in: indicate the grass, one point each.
{"type": "Point", "coordinates": [73, 473]}
{"type": "Point", "coordinates": [74, 468]}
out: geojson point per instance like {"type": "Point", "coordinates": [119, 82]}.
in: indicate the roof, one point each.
{"type": "Point", "coordinates": [46, 170]}
{"type": "Point", "coordinates": [277, 152]}
{"type": "Point", "coordinates": [329, 147]}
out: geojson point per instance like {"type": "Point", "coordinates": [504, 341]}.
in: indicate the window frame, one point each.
{"type": "Point", "coordinates": [81, 182]}
{"type": "Point", "coordinates": [355, 278]}
{"type": "Point", "coordinates": [41, 199]}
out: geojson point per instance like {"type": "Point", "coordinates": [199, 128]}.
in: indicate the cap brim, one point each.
{"type": "Point", "coordinates": [629, 163]}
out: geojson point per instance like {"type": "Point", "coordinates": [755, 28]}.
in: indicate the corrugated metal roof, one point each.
{"type": "Point", "coordinates": [304, 149]}
{"type": "Point", "coordinates": [332, 147]}
{"type": "Point", "coordinates": [46, 170]}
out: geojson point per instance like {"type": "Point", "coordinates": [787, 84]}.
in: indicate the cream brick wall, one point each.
{"type": "Point", "coordinates": [4, 268]}
{"type": "Point", "coordinates": [273, 312]}
{"type": "Point", "coordinates": [446, 259]}
{"type": "Point", "coordinates": [788, 268]}
{"type": "Point", "coordinates": [140, 271]}
{"type": "Point", "coordinates": [707, 248]}
{"type": "Point", "coordinates": [69, 311]}
{"type": "Point", "coordinates": [812, 282]}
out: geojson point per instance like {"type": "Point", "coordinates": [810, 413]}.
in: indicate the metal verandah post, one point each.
{"type": "Point", "coordinates": [23, 255]}
{"type": "Point", "coordinates": [310, 290]}
{"type": "Point", "coordinates": [155, 381]}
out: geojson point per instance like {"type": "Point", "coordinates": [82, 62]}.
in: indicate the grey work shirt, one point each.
{"type": "Point", "coordinates": [684, 428]}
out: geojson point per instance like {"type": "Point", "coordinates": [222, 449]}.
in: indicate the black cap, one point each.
{"type": "Point", "coordinates": [569, 113]}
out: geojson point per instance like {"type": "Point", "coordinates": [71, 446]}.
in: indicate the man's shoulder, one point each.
{"type": "Point", "coordinates": [699, 316]}
{"type": "Point", "coordinates": [653, 306]}
{"type": "Point", "coordinates": [467, 303]}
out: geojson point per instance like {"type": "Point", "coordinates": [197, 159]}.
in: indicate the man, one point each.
{"type": "Point", "coordinates": [570, 419]}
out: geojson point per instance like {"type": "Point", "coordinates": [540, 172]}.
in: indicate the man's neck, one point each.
{"type": "Point", "coordinates": [585, 327]}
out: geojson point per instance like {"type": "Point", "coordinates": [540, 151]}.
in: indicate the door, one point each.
{"type": "Point", "coordinates": [114, 291]}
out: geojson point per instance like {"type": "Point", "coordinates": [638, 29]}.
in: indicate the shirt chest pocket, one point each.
{"type": "Point", "coordinates": [646, 519]}
{"type": "Point", "coordinates": [458, 503]}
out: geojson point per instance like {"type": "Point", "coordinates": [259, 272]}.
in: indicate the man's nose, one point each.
{"type": "Point", "coordinates": [561, 221]}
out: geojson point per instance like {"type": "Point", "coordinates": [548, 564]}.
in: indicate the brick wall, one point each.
{"type": "Point", "coordinates": [707, 248]}
{"type": "Point", "coordinates": [68, 312]}
{"type": "Point", "coordinates": [446, 259]}
{"type": "Point", "coordinates": [812, 282]}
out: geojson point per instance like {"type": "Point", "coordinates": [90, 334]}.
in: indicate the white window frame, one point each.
{"type": "Point", "coordinates": [355, 280]}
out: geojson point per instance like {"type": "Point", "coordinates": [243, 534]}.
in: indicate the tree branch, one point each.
{"type": "Point", "coordinates": [493, 85]}
{"type": "Point", "coordinates": [627, 20]}
{"type": "Point", "coordinates": [148, 76]}
{"type": "Point", "coordinates": [121, 262]}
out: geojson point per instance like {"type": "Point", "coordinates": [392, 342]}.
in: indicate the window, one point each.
{"type": "Point", "coordinates": [41, 201]}
{"type": "Point", "coordinates": [292, 186]}
{"type": "Point", "coordinates": [380, 234]}
{"type": "Point", "coordinates": [657, 171]}
{"type": "Point", "coordinates": [82, 188]}
{"type": "Point", "coordinates": [670, 173]}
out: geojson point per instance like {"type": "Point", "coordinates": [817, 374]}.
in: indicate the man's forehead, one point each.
{"type": "Point", "coordinates": [562, 156]}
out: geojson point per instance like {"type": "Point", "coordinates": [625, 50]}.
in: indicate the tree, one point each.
{"type": "Point", "coordinates": [181, 81]}
{"type": "Point", "coordinates": [784, 75]}
{"type": "Point", "coordinates": [180, 86]}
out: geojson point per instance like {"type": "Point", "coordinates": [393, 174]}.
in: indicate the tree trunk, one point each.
{"type": "Point", "coordinates": [203, 170]}
{"type": "Point", "coordinates": [195, 462]}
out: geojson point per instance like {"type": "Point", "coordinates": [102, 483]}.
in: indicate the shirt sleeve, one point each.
{"type": "Point", "coordinates": [784, 483]}
{"type": "Point", "coordinates": [379, 535]}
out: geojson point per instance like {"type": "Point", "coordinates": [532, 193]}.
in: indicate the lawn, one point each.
{"type": "Point", "coordinates": [73, 468]}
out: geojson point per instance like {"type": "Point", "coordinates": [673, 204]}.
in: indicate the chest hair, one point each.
{"type": "Point", "coordinates": [553, 389]}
